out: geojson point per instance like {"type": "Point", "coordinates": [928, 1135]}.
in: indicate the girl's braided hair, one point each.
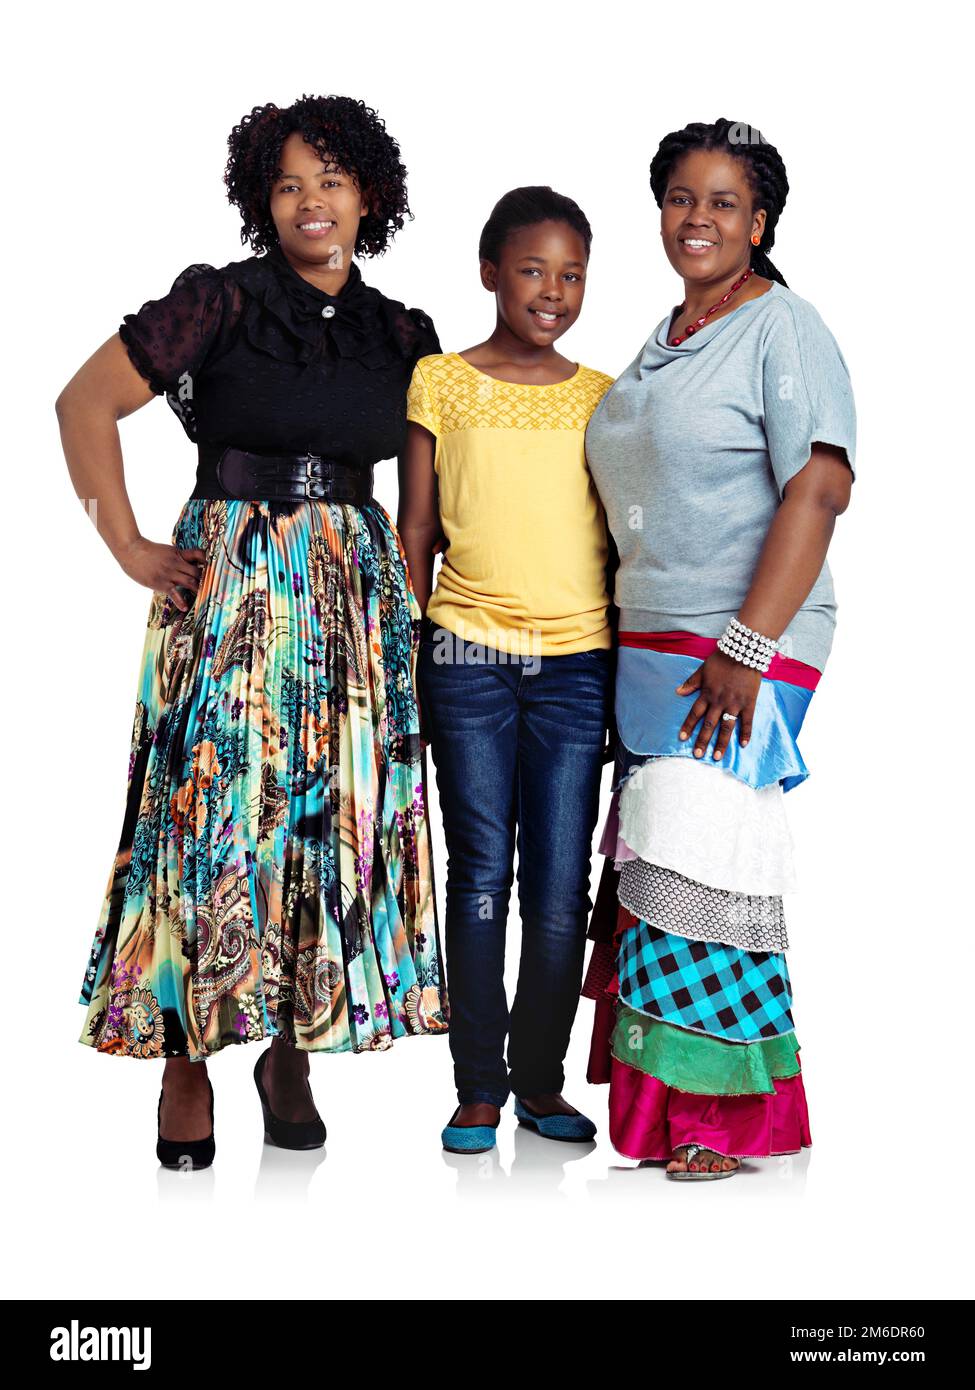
{"type": "Point", "coordinates": [525, 207]}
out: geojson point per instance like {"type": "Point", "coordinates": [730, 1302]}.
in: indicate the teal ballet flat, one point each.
{"type": "Point", "coordinates": [468, 1139]}
{"type": "Point", "coordinates": [571, 1129]}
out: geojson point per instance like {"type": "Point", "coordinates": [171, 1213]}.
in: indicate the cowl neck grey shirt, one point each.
{"type": "Point", "coordinates": [691, 449]}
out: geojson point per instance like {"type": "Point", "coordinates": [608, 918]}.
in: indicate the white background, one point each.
{"type": "Point", "coordinates": [116, 118]}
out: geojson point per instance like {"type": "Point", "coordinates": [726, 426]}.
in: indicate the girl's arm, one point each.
{"type": "Point", "coordinates": [418, 515]}
{"type": "Point", "coordinates": [103, 391]}
{"type": "Point", "coordinates": [790, 561]}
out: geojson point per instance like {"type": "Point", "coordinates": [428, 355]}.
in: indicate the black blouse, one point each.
{"type": "Point", "coordinates": [253, 355]}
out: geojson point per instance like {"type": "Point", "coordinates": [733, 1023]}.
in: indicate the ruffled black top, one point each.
{"type": "Point", "coordinates": [252, 354]}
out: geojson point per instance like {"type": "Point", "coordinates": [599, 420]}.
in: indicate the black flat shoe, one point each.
{"type": "Point", "coordinates": [286, 1134]}
{"type": "Point", "coordinates": [185, 1154]}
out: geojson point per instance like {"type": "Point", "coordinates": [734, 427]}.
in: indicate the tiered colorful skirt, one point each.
{"type": "Point", "coordinates": [693, 1027]}
{"type": "Point", "coordinates": [274, 873]}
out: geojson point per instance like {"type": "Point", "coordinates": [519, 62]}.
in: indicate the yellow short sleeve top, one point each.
{"type": "Point", "coordinates": [524, 568]}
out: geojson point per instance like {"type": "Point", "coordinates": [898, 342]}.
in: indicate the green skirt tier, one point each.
{"type": "Point", "coordinates": [700, 1064]}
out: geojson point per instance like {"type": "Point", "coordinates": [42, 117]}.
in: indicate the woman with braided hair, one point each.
{"type": "Point", "coordinates": [723, 456]}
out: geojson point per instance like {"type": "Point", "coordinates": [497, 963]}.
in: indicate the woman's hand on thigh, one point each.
{"type": "Point", "coordinates": [724, 686]}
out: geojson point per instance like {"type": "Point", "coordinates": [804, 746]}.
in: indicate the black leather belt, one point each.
{"type": "Point", "coordinates": [244, 473]}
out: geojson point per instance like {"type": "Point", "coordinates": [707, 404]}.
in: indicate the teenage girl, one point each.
{"type": "Point", "coordinates": [515, 666]}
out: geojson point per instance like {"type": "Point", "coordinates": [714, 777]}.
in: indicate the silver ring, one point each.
{"type": "Point", "coordinates": [729, 716]}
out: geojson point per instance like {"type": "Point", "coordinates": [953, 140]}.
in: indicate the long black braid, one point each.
{"type": "Point", "coordinates": [762, 161]}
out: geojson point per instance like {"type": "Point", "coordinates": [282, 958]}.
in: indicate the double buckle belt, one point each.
{"type": "Point", "coordinates": [247, 474]}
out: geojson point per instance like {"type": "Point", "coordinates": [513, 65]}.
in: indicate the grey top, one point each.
{"type": "Point", "coordinates": [691, 449]}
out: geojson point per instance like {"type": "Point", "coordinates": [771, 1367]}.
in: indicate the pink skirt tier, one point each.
{"type": "Point", "coordinates": [647, 1119]}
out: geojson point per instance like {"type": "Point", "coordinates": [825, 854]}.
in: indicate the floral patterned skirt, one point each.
{"type": "Point", "coordinates": [274, 872]}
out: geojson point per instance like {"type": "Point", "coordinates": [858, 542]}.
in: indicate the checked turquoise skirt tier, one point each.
{"type": "Point", "coordinates": [274, 871]}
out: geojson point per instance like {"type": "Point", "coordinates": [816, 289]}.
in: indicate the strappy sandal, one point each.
{"type": "Point", "coordinates": [691, 1151]}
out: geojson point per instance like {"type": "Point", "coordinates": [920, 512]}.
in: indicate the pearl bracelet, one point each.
{"type": "Point", "coordinates": [746, 646]}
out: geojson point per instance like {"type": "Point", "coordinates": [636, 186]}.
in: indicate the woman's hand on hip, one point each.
{"type": "Point", "coordinates": [164, 568]}
{"type": "Point", "coordinates": [724, 686]}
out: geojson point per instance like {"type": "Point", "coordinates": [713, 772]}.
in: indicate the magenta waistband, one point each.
{"type": "Point", "coordinates": [783, 668]}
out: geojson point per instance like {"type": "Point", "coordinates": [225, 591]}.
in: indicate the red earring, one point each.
{"type": "Point", "coordinates": [756, 240]}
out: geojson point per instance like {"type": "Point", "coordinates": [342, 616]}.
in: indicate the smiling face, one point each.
{"type": "Point", "coordinates": [540, 281]}
{"type": "Point", "coordinates": [707, 219]}
{"type": "Point", "coordinates": [316, 206]}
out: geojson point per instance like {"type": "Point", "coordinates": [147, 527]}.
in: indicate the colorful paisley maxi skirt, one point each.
{"type": "Point", "coordinates": [274, 871]}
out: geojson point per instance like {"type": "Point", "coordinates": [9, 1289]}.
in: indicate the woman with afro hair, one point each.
{"type": "Point", "coordinates": [723, 455]}
{"type": "Point", "coordinates": [273, 877]}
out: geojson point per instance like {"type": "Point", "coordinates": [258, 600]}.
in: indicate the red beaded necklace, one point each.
{"type": "Point", "coordinates": [699, 323]}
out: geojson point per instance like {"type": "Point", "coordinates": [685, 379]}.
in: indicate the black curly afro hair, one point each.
{"type": "Point", "coordinates": [342, 128]}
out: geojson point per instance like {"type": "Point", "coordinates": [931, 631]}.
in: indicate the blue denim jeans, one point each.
{"type": "Point", "coordinates": [517, 744]}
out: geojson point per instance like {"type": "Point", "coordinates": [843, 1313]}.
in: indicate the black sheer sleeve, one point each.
{"type": "Point", "coordinates": [169, 338]}
{"type": "Point", "coordinates": [417, 333]}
